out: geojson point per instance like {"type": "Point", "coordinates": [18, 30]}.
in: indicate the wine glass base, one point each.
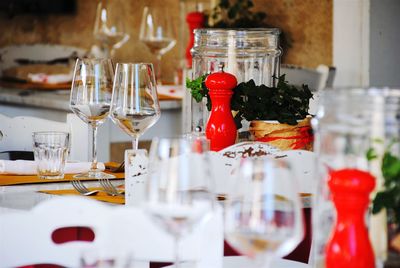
{"type": "Point", "coordinates": [97, 175]}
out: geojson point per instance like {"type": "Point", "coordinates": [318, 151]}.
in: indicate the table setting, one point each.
{"type": "Point", "coordinates": [257, 181]}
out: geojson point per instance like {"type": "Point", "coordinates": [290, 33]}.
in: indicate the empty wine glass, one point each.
{"type": "Point", "coordinates": [157, 33]}
{"type": "Point", "coordinates": [109, 26]}
{"type": "Point", "coordinates": [179, 195]}
{"type": "Point", "coordinates": [134, 106]}
{"type": "Point", "coordinates": [90, 100]}
{"type": "Point", "coordinates": [263, 218]}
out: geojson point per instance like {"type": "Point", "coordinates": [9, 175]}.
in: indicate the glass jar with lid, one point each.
{"type": "Point", "coordinates": [246, 53]}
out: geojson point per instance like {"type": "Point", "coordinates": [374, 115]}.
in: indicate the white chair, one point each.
{"type": "Point", "coordinates": [316, 79]}
{"type": "Point", "coordinates": [16, 134]}
{"type": "Point", "coordinates": [26, 236]}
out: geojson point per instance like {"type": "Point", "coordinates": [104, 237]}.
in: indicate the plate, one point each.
{"type": "Point", "coordinates": [249, 149]}
{"type": "Point", "coordinates": [226, 162]}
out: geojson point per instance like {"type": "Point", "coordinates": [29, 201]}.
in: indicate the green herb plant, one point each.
{"type": "Point", "coordinates": [389, 196]}
{"type": "Point", "coordinates": [285, 103]}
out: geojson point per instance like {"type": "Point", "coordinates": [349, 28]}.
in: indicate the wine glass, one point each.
{"type": "Point", "coordinates": [263, 217]}
{"type": "Point", "coordinates": [157, 34]}
{"type": "Point", "coordinates": [109, 27]}
{"type": "Point", "coordinates": [90, 100]}
{"type": "Point", "coordinates": [134, 106]}
{"type": "Point", "coordinates": [179, 195]}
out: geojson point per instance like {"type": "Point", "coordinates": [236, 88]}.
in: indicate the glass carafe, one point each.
{"type": "Point", "coordinates": [246, 53]}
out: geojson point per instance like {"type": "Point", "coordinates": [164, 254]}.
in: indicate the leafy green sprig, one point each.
{"type": "Point", "coordinates": [284, 103]}
{"type": "Point", "coordinates": [198, 89]}
{"type": "Point", "coordinates": [389, 196]}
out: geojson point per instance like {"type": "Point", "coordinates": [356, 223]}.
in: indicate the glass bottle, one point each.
{"type": "Point", "coordinates": [246, 53]}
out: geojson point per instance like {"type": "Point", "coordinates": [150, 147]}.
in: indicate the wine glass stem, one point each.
{"type": "Point", "coordinates": [158, 69]}
{"type": "Point", "coordinates": [263, 261]}
{"type": "Point", "coordinates": [135, 142]}
{"type": "Point", "coordinates": [94, 148]}
{"type": "Point", "coordinates": [176, 250]}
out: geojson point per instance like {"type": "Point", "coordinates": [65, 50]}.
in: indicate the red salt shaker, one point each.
{"type": "Point", "coordinates": [194, 20]}
{"type": "Point", "coordinates": [349, 245]}
{"type": "Point", "coordinates": [221, 128]}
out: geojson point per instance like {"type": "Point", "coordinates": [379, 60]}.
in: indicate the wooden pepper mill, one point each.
{"type": "Point", "coordinates": [221, 128]}
{"type": "Point", "coordinates": [349, 245]}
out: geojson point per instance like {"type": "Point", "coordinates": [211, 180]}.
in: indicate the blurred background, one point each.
{"type": "Point", "coordinates": [307, 24]}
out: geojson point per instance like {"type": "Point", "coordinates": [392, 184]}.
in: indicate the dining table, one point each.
{"type": "Point", "coordinates": [23, 192]}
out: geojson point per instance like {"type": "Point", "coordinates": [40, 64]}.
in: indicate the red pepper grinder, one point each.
{"type": "Point", "coordinates": [221, 128]}
{"type": "Point", "coordinates": [349, 245]}
{"type": "Point", "coordinates": [194, 20]}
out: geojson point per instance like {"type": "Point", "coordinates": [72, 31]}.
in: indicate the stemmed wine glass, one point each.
{"type": "Point", "coordinates": [156, 32]}
{"type": "Point", "coordinates": [134, 106]}
{"type": "Point", "coordinates": [179, 195]}
{"type": "Point", "coordinates": [90, 100]}
{"type": "Point", "coordinates": [109, 27]}
{"type": "Point", "coordinates": [263, 217]}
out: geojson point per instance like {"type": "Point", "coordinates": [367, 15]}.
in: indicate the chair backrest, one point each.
{"type": "Point", "coordinates": [331, 73]}
{"type": "Point", "coordinates": [316, 79]}
{"type": "Point", "coordinates": [16, 134]}
{"type": "Point", "coordinates": [26, 237]}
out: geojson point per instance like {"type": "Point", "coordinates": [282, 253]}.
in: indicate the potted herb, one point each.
{"type": "Point", "coordinates": [278, 115]}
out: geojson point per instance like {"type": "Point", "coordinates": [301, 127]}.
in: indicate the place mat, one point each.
{"type": "Point", "coordinates": [101, 196]}
{"type": "Point", "coordinates": [8, 179]}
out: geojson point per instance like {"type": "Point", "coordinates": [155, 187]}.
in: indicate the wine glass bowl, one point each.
{"type": "Point", "coordinates": [134, 106]}
{"type": "Point", "coordinates": [157, 33]}
{"type": "Point", "coordinates": [263, 217]}
{"type": "Point", "coordinates": [90, 100]}
{"type": "Point", "coordinates": [109, 28]}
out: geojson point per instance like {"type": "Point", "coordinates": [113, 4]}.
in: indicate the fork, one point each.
{"type": "Point", "coordinates": [82, 189]}
{"type": "Point", "coordinates": [110, 188]}
{"type": "Point", "coordinates": [119, 168]}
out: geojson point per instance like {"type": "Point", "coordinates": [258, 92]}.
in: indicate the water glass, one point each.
{"type": "Point", "coordinates": [50, 150]}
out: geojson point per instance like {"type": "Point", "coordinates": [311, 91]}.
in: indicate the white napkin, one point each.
{"type": "Point", "coordinates": [24, 167]}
